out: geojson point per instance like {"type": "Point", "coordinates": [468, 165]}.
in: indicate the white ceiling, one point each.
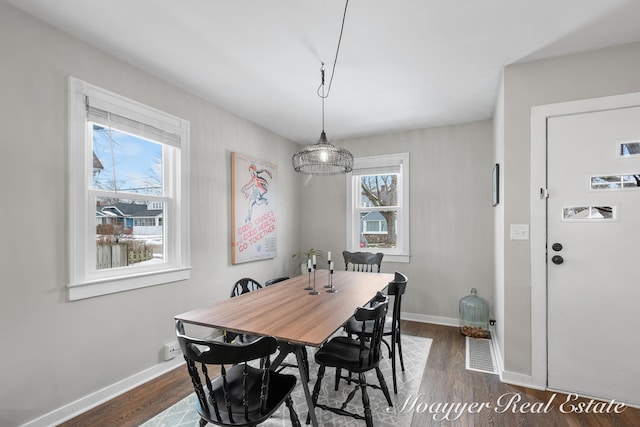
{"type": "Point", "coordinates": [403, 64]}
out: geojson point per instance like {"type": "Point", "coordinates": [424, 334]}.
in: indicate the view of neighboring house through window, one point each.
{"type": "Point", "coordinates": [377, 193]}
{"type": "Point", "coordinates": [129, 188]}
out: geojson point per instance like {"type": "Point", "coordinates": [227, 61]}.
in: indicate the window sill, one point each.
{"type": "Point", "coordinates": [396, 258]}
{"type": "Point", "coordinates": [400, 258]}
{"type": "Point", "coordinates": [90, 289]}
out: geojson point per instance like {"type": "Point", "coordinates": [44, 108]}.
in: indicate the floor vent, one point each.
{"type": "Point", "coordinates": [480, 355]}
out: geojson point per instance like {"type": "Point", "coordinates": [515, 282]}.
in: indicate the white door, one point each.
{"type": "Point", "coordinates": [593, 254]}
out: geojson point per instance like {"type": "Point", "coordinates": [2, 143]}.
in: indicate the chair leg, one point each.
{"type": "Point", "coordinates": [400, 350]}
{"type": "Point", "coordinates": [383, 386]}
{"type": "Point", "coordinates": [202, 422]}
{"type": "Point", "coordinates": [393, 367]}
{"type": "Point", "coordinates": [316, 391]}
{"type": "Point", "coordinates": [365, 400]}
{"type": "Point", "coordinates": [305, 357]}
{"type": "Point", "coordinates": [337, 380]}
{"type": "Point", "coordinates": [293, 415]}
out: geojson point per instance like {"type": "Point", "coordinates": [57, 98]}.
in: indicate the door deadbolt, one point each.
{"type": "Point", "coordinates": [557, 259]}
{"type": "Point", "coordinates": [557, 247]}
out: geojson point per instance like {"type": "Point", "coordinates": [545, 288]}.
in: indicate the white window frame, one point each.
{"type": "Point", "coordinates": [85, 281]}
{"type": "Point", "coordinates": [379, 165]}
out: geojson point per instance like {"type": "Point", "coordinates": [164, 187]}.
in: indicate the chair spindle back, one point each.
{"type": "Point", "coordinates": [371, 339]}
{"type": "Point", "coordinates": [363, 261]}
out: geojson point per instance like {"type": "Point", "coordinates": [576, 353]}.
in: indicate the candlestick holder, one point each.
{"type": "Point", "coordinates": [313, 290]}
{"type": "Point", "coordinates": [331, 289]}
{"type": "Point", "coordinates": [308, 288]}
{"type": "Point", "coordinates": [328, 285]}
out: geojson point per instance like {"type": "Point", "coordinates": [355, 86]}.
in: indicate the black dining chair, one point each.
{"type": "Point", "coordinates": [276, 280]}
{"type": "Point", "coordinates": [362, 261]}
{"type": "Point", "coordinates": [392, 327]}
{"type": "Point", "coordinates": [242, 286]}
{"type": "Point", "coordinates": [356, 356]}
{"type": "Point", "coordinates": [243, 395]}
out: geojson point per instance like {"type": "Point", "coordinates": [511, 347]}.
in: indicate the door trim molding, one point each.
{"type": "Point", "coordinates": [539, 116]}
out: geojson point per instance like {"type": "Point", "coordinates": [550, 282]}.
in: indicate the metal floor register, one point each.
{"type": "Point", "coordinates": [480, 356]}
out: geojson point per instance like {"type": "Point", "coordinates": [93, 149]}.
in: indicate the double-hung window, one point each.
{"type": "Point", "coordinates": [128, 194]}
{"type": "Point", "coordinates": [378, 201]}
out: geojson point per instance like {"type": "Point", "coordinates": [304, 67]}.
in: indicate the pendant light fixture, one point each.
{"type": "Point", "coordinates": [324, 158]}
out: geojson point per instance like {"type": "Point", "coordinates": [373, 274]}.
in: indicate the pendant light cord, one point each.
{"type": "Point", "coordinates": [320, 90]}
{"type": "Point", "coordinates": [335, 61]}
{"type": "Point", "coordinates": [322, 87]}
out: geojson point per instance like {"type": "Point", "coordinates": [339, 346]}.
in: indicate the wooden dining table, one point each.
{"type": "Point", "coordinates": [293, 314]}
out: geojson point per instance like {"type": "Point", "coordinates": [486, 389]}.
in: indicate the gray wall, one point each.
{"type": "Point", "coordinates": [55, 351]}
{"type": "Point", "coordinates": [451, 214]}
{"type": "Point", "coordinates": [604, 72]}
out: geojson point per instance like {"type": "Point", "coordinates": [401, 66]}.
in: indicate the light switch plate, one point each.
{"type": "Point", "coordinates": [519, 232]}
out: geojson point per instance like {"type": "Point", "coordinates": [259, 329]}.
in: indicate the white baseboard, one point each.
{"type": "Point", "coordinates": [436, 320]}
{"type": "Point", "coordinates": [518, 379]}
{"type": "Point", "coordinates": [92, 400]}
{"type": "Point", "coordinates": [513, 378]}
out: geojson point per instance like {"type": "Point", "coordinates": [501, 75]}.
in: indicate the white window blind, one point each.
{"type": "Point", "coordinates": [127, 124]}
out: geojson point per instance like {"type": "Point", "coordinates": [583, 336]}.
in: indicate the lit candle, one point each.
{"type": "Point", "coordinates": [329, 256]}
{"type": "Point", "coordinates": [314, 260]}
{"type": "Point", "coordinates": [331, 266]}
{"type": "Point", "coordinates": [309, 264]}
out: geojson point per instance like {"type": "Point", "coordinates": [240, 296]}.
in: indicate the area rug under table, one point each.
{"type": "Point", "coordinates": [415, 351]}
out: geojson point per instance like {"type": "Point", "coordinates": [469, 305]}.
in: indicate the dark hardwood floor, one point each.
{"type": "Point", "coordinates": [445, 381]}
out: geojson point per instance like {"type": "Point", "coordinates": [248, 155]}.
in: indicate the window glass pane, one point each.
{"type": "Point", "coordinates": [604, 182]}
{"type": "Point", "coordinates": [608, 182]}
{"type": "Point", "coordinates": [379, 230]}
{"type": "Point", "coordinates": [601, 212]}
{"type": "Point", "coordinates": [628, 149]}
{"type": "Point", "coordinates": [128, 233]}
{"type": "Point", "coordinates": [589, 213]}
{"type": "Point", "coordinates": [372, 226]}
{"type": "Point", "coordinates": [125, 163]}
{"type": "Point", "coordinates": [579, 212]}
{"type": "Point", "coordinates": [378, 190]}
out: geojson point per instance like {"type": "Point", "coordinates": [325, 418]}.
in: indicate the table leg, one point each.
{"type": "Point", "coordinates": [305, 386]}
{"type": "Point", "coordinates": [283, 350]}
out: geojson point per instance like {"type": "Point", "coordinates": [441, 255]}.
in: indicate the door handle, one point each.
{"type": "Point", "coordinates": [557, 259]}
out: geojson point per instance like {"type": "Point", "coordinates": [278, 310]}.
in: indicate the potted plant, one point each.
{"type": "Point", "coordinates": [305, 256]}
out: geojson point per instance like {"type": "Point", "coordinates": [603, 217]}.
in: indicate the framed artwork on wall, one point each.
{"type": "Point", "coordinates": [254, 199]}
{"type": "Point", "coordinates": [495, 179]}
